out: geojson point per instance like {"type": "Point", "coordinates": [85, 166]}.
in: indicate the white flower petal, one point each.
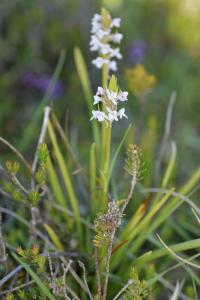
{"type": "Point", "coordinates": [121, 113]}
{"type": "Point", "coordinates": [97, 99]}
{"type": "Point", "coordinates": [117, 37]}
{"type": "Point", "coordinates": [116, 53]}
{"type": "Point", "coordinates": [112, 96]}
{"type": "Point", "coordinates": [100, 91]}
{"type": "Point", "coordinates": [112, 65]}
{"type": "Point", "coordinates": [123, 96]}
{"type": "Point", "coordinates": [112, 115]}
{"type": "Point", "coordinates": [99, 62]}
{"type": "Point", "coordinates": [115, 22]}
{"type": "Point", "coordinates": [98, 115]}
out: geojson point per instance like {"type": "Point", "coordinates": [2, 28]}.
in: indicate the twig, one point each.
{"type": "Point", "coordinates": [17, 288]}
{"type": "Point", "coordinates": [16, 152]}
{"type": "Point", "coordinates": [172, 288]}
{"type": "Point", "coordinates": [4, 193]}
{"type": "Point", "coordinates": [130, 194]}
{"type": "Point", "coordinates": [107, 271]}
{"type": "Point", "coordinates": [11, 274]}
{"type": "Point", "coordinates": [72, 293]}
{"type": "Point", "coordinates": [179, 258]}
{"type": "Point", "coordinates": [97, 272]}
{"type": "Point", "coordinates": [77, 278]}
{"type": "Point", "coordinates": [166, 134]}
{"type": "Point", "coordinates": [65, 271]}
{"type": "Point", "coordinates": [130, 282]}
{"type": "Point", "coordinates": [180, 196]}
{"type": "Point", "coordinates": [50, 264]}
{"type": "Point", "coordinates": [85, 280]}
{"type": "Point", "coordinates": [18, 184]}
{"type": "Point", "coordinates": [109, 253]}
{"type": "Point", "coordinates": [40, 141]}
{"type": "Point", "coordinates": [73, 273]}
{"type": "Point", "coordinates": [3, 257]}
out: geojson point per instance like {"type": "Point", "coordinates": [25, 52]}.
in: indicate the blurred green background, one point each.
{"type": "Point", "coordinates": [161, 35]}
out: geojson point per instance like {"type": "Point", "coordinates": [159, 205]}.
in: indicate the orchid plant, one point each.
{"type": "Point", "coordinates": [109, 243]}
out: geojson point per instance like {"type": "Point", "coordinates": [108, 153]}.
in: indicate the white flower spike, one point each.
{"type": "Point", "coordinates": [102, 39]}
{"type": "Point", "coordinates": [110, 98]}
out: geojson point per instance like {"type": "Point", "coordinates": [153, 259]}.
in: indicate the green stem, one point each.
{"type": "Point", "coordinates": [106, 137]}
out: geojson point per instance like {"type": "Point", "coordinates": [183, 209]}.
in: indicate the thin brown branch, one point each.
{"type": "Point", "coordinates": [97, 272]}
{"type": "Point", "coordinates": [21, 157]}
{"type": "Point", "coordinates": [17, 288]}
{"type": "Point", "coordinates": [123, 289]}
{"type": "Point", "coordinates": [130, 194]}
{"type": "Point", "coordinates": [107, 271]}
{"type": "Point", "coordinates": [85, 280]}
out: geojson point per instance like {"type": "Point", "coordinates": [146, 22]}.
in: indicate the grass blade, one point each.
{"type": "Point", "coordinates": [54, 237]}
{"type": "Point", "coordinates": [166, 211]}
{"type": "Point", "coordinates": [144, 223]}
{"type": "Point", "coordinates": [93, 176]}
{"type": "Point", "coordinates": [193, 244]}
{"type": "Point", "coordinates": [176, 256]}
{"type": "Point", "coordinates": [170, 166]}
{"type": "Point", "coordinates": [66, 178]}
{"type": "Point", "coordinates": [85, 82]}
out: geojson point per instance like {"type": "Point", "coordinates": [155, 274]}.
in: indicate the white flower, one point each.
{"type": "Point", "coordinates": [99, 115]}
{"type": "Point", "coordinates": [99, 62]}
{"type": "Point", "coordinates": [121, 113]}
{"type": "Point", "coordinates": [115, 22]}
{"type": "Point", "coordinates": [97, 99]}
{"type": "Point", "coordinates": [100, 91]}
{"type": "Point", "coordinates": [96, 23]}
{"type": "Point", "coordinates": [112, 65]}
{"type": "Point", "coordinates": [123, 96]}
{"type": "Point", "coordinates": [102, 33]}
{"type": "Point", "coordinates": [102, 40]}
{"type": "Point", "coordinates": [112, 115]}
{"type": "Point", "coordinates": [116, 53]}
{"type": "Point", "coordinates": [98, 96]}
{"type": "Point", "coordinates": [117, 37]}
{"type": "Point", "coordinates": [112, 96]}
{"type": "Point", "coordinates": [106, 49]}
{"type": "Point", "coordinates": [95, 43]}
{"type": "Point", "coordinates": [111, 100]}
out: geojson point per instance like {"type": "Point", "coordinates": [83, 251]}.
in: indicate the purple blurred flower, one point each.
{"type": "Point", "coordinates": [137, 51]}
{"type": "Point", "coordinates": [41, 83]}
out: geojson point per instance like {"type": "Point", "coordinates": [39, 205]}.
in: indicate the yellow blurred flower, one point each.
{"type": "Point", "coordinates": [140, 82]}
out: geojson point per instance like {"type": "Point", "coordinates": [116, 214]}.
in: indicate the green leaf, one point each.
{"type": "Point", "coordinates": [113, 84]}
{"type": "Point", "coordinates": [85, 82]}
{"type": "Point", "coordinates": [54, 237]}
{"type": "Point", "coordinates": [193, 244]}
{"type": "Point", "coordinates": [66, 178]}
{"type": "Point", "coordinates": [129, 234]}
{"type": "Point", "coordinates": [170, 166]}
{"type": "Point", "coordinates": [93, 176]}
